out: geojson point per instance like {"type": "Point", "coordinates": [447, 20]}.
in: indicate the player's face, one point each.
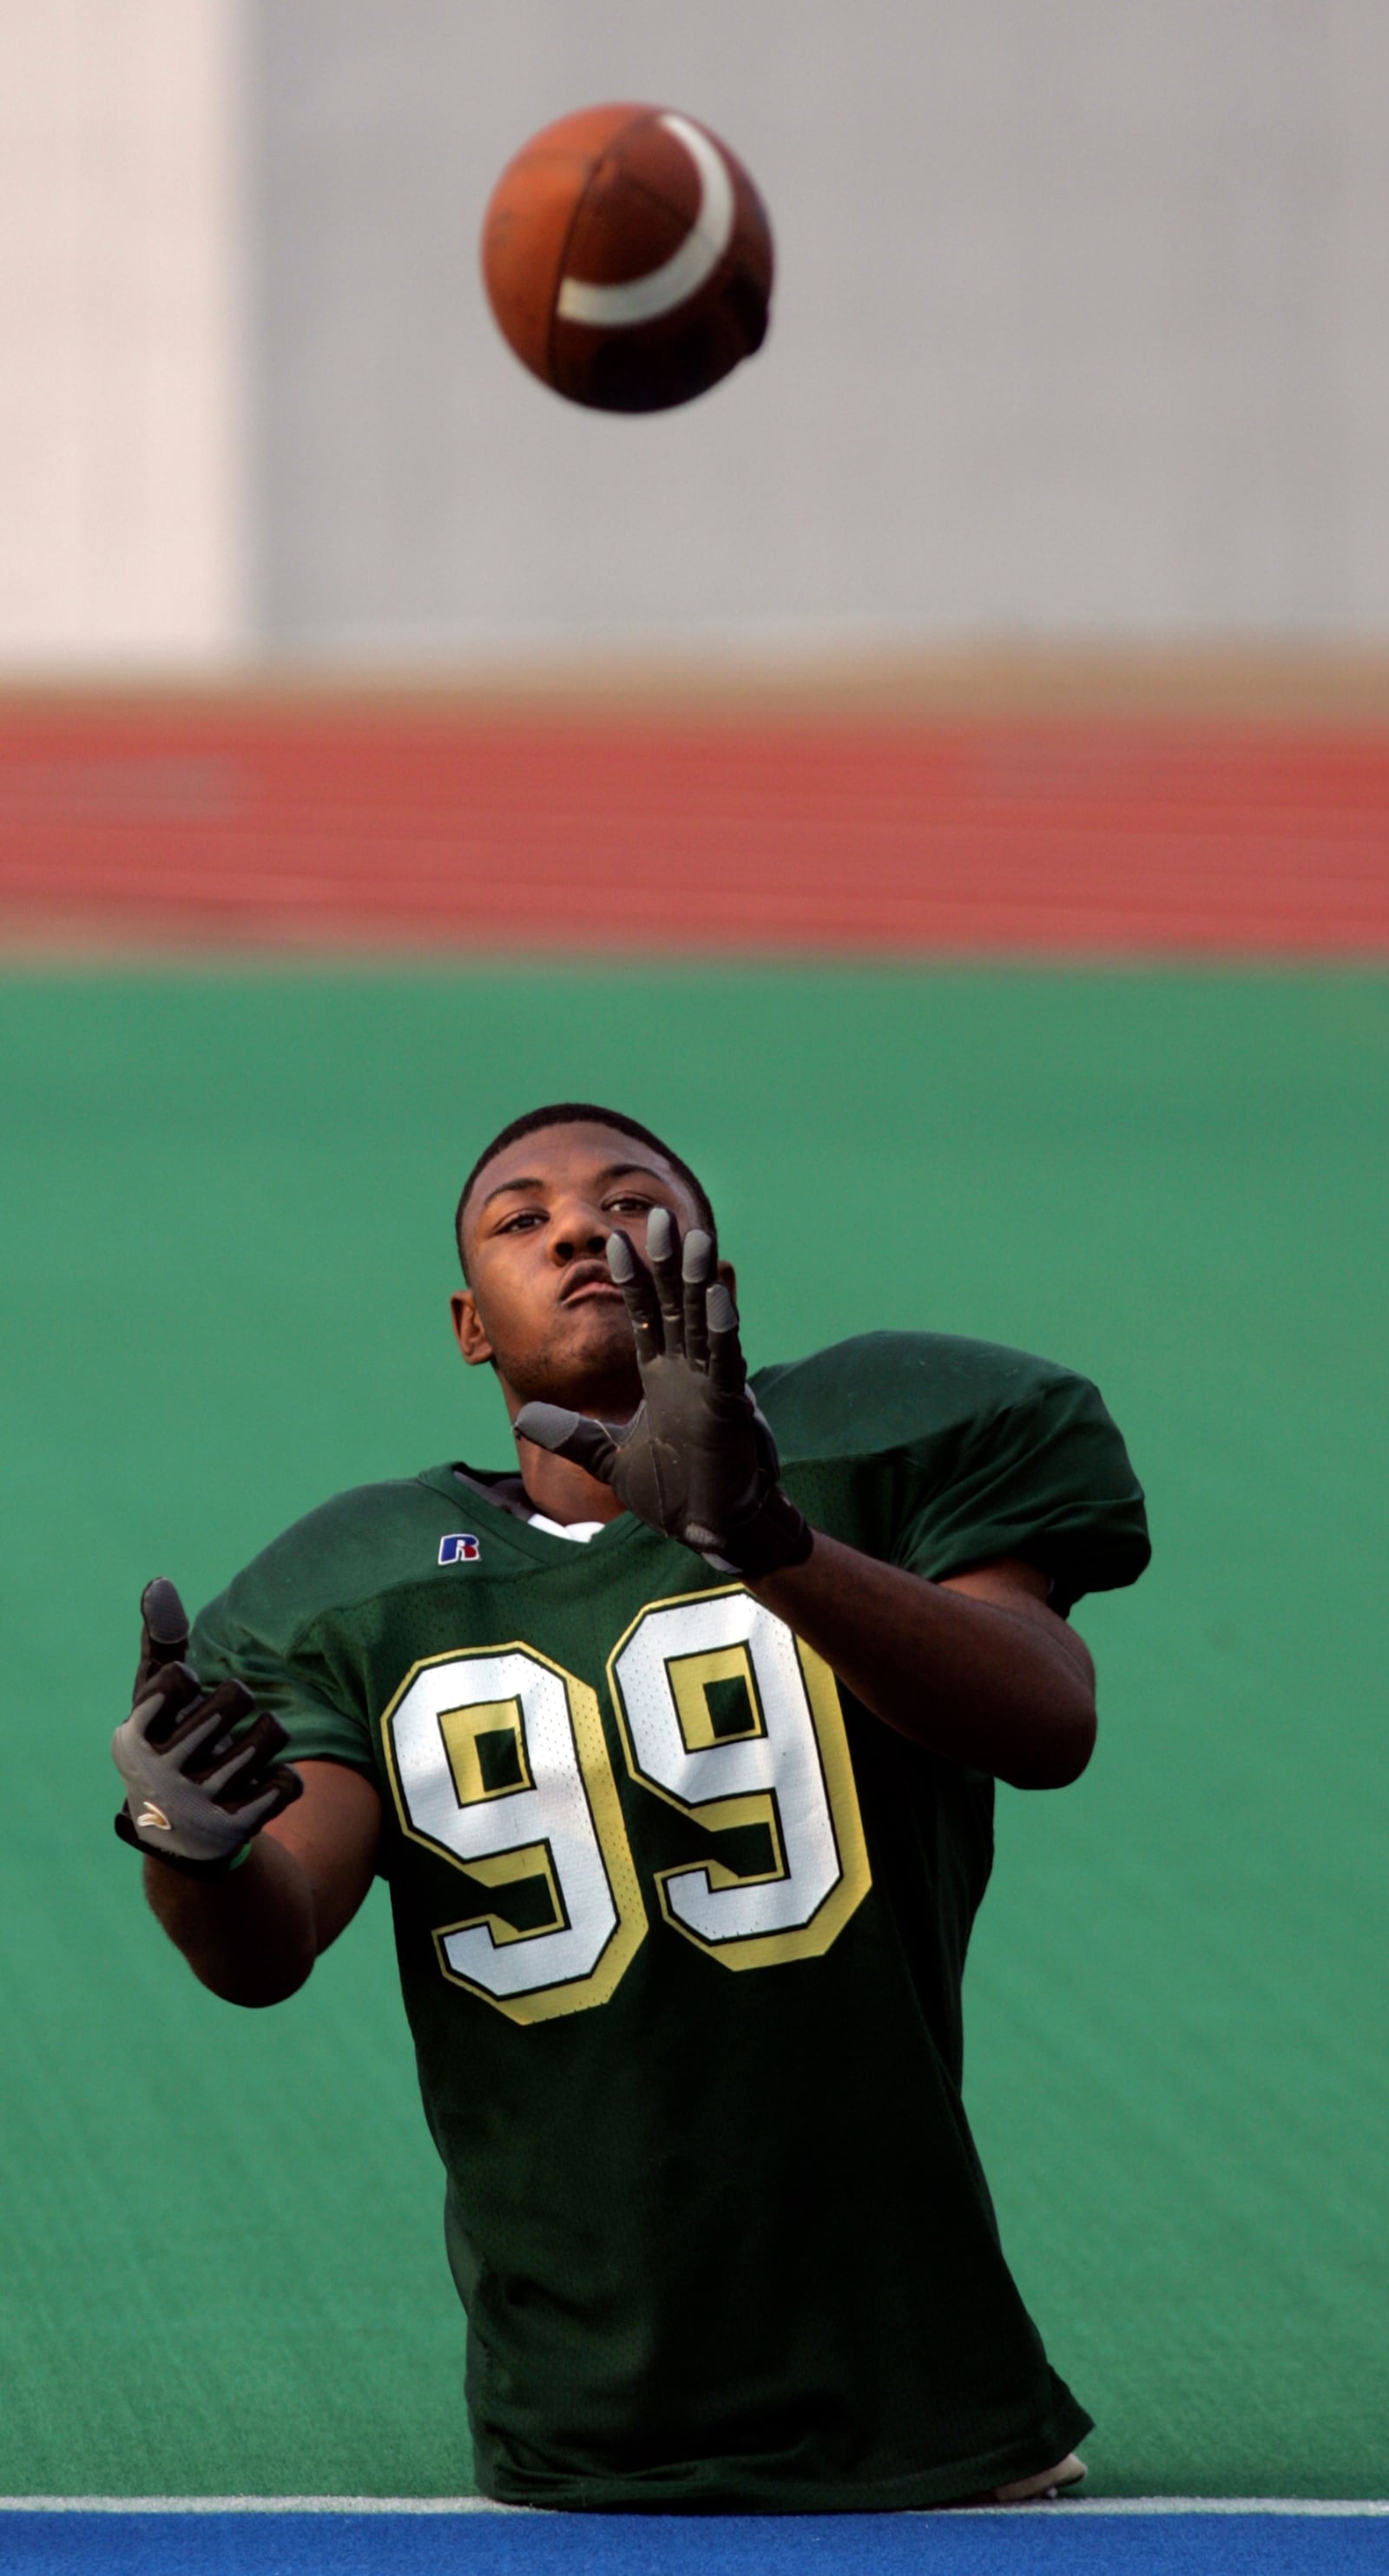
{"type": "Point", "coordinates": [539, 1299]}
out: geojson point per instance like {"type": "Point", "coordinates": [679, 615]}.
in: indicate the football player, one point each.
{"type": "Point", "coordinates": [676, 1747]}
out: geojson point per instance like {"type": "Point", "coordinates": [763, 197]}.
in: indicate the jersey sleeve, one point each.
{"type": "Point", "coordinates": [291, 1680]}
{"type": "Point", "coordinates": [1046, 1477]}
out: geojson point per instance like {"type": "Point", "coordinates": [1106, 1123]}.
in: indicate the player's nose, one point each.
{"type": "Point", "coordinates": [577, 1233]}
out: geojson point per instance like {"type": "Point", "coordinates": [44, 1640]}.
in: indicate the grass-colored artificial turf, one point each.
{"type": "Point", "coordinates": [227, 1209]}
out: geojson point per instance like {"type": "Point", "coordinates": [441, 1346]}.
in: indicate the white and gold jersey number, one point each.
{"type": "Point", "coordinates": [780, 1762]}
{"type": "Point", "coordinates": [498, 1763]}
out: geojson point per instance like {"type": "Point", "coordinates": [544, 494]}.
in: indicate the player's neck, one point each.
{"type": "Point", "coordinates": [562, 1491]}
{"type": "Point", "coordinates": [556, 1486]}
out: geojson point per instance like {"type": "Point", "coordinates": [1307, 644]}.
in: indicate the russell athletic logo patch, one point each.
{"type": "Point", "coordinates": [459, 1548]}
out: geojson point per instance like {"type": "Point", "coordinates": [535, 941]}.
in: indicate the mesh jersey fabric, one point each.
{"type": "Point", "coordinates": [681, 1931]}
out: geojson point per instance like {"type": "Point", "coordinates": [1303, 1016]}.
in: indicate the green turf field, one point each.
{"type": "Point", "coordinates": [228, 1204]}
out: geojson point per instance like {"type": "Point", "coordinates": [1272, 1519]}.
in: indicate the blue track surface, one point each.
{"type": "Point", "coordinates": [1052, 2543]}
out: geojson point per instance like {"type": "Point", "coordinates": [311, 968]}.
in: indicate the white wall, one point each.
{"type": "Point", "coordinates": [1082, 328]}
{"type": "Point", "coordinates": [122, 513]}
{"type": "Point", "coordinates": [1083, 325]}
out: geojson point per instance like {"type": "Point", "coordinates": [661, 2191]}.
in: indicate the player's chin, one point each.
{"type": "Point", "coordinates": [592, 1325]}
{"type": "Point", "coordinates": [589, 1339]}
{"type": "Point", "coordinates": [578, 1342]}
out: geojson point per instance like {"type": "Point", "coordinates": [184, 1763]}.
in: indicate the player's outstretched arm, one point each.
{"type": "Point", "coordinates": [253, 1937]}
{"type": "Point", "coordinates": [977, 1669]}
{"type": "Point", "coordinates": [252, 1867]}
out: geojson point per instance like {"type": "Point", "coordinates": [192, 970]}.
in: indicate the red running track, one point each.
{"type": "Point", "coordinates": [372, 825]}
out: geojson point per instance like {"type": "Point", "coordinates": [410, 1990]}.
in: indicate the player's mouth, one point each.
{"type": "Point", "coordinates": [588, 1282]}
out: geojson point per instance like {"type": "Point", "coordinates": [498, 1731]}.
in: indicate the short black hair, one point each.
{"type": "Point", "coordinates": [583, 1113]}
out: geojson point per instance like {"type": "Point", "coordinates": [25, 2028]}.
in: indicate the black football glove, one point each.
{"type": "Point", "coordinates": [698, 1460]}
{"type": "Point", "coordinates": [196, 1789]}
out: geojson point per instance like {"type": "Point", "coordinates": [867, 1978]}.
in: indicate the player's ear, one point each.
{"type": "Point", "coordinates": [729, 1276]}
{"type": "Point", "coordinates": [467, 1325]}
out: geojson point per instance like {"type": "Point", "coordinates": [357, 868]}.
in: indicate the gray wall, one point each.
{"type": "Point", "coordinates": [1082, 325]}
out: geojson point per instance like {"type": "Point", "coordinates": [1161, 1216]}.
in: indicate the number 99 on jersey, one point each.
{"type": "Point", "coordinates": [498, 1763]}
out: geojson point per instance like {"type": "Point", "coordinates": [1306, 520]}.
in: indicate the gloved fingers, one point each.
{"type": "Point", "coordinates": [696, 1269]}
{"type": "Point", "coordinates": [168, 1693]}
{"type": "Point", "coordinates": [217, 1715]}
{"type": "Point", "coordinates": [288, 1784]}
{"type": "Point", "coordinates": [727, 1368]}
{"type": "Point", "coordinates": [274, 1792]}
{"type": "Point", "coordinates": [639, 1297]}
{"type": "Point", "coordinates": [163, 1631]}
{"type": "Point", "coordinates": [569, 1435]}
{"type": "Point", "coordinates": [663, 1254]}
{"type": "Point", "coordinates": [244, 1755]}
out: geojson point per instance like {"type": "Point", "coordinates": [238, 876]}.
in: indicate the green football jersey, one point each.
{"type": "Point", "coordinates": [681, 1931]}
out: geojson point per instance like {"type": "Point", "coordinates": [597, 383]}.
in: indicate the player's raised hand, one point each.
{"type": "Point", "coordinates": [697, 1460]}
{"type": "Point", "coordinates": [199, 1781]}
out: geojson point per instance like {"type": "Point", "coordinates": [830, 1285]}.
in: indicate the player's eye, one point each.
{"type": "Point", "coordinates": [524, 1220]}
{"type": "Point", "coordinates": [628, 1203]}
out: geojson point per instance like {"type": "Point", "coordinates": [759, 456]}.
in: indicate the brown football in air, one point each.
{"type": "Point", "coordinates": [628, 258]}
